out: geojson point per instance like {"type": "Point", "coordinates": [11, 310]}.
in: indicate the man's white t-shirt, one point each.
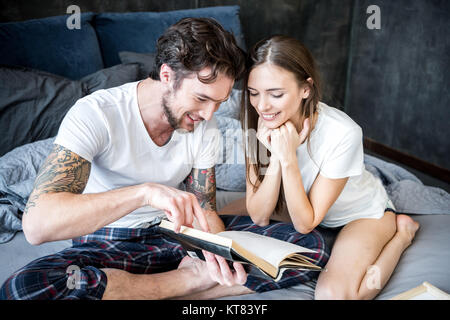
{"type": "Point", "coordinates": [106, 129]}
{"type": "Point", "coordinates": [336, 151]}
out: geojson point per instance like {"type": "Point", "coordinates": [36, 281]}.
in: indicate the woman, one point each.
{"type": "Point", "coordinates": [314, 172]}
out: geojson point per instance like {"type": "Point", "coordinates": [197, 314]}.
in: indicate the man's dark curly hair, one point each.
{"type": "Point", "coordinates": [192, 44]}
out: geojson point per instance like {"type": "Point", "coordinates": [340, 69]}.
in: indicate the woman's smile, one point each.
{"type": "Point", "coordinates": [269, 116]}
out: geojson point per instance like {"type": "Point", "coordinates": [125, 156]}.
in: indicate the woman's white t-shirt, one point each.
{"type": "Point", "coordinates": [336, 151]}
{"type": "Point", "coordinates": [106, 129]}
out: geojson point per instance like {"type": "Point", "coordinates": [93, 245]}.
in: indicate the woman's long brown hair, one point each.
{"type": "Point", "coordinates": [289, 54]}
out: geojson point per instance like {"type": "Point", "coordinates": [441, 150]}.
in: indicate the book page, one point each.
{"type": "Point", "coordinates": [426, 291]}
{"type": "Point", "coordinates": [270, 249]}
{"type": "Point", "coordinates": [424, 296]}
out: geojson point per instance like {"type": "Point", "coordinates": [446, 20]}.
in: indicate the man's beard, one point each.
{"type": "Point", "coordinates": [173, 121]}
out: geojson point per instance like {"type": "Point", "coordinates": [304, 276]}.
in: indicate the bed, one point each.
{"type": "Point", "coordinates": [57, 71]}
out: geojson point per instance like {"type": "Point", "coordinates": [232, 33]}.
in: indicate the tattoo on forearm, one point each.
{"type": "Point", "coordinates": [202, 183]}
{"type": "Point", "coordinates": [62, 171]}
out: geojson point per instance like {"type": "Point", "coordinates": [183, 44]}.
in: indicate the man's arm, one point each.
{"type": "Point", "coordinates": [202, 183]}
{"type": "Point", "coordinates": [63, 170]}
{"type": "Point", "coordinates": [57, 210]}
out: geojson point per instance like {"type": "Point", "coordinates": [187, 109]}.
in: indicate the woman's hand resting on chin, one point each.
{"type": "Point", "coordinates": [285, 140]}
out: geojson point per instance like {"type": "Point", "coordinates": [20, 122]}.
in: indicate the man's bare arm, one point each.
{"type": "Point", "coordinates": [63, 170]}
{"type": "Point", "coordinates": [202, 183]}
{"type": "Point", "coordinates": [57, 210]}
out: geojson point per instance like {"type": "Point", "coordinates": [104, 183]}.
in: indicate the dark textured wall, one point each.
{"type": "Point", "coordinates": [394, 81]}
{"type": "Point", "coordinates": [399, 79]}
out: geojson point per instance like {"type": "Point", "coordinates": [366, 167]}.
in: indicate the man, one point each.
{"type": "Point", "coordinates": [118, 164]}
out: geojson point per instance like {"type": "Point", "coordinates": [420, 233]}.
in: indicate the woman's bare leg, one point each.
{"type": "Point", "coordinates": [364, 256]}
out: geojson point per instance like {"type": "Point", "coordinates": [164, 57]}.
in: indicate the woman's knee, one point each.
{"type": "Point", "coordinates": [334, 291]}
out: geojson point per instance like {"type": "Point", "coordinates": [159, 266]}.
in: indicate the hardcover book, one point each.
{"type": "Point", "coordinates": [269, 255]}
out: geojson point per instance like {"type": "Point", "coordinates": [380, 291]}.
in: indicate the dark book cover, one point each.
{"type": "Point", "coordinates": [194, 247]}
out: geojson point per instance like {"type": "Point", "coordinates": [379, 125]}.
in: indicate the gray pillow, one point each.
{"type": "Point", "coordinates": [230, 169]}
{"type": "Point", "coordinates": [33, 104]}
{"type": "Point", "coordinates": [232, 107]}
{"type": "Point", "coordinates": [111, 77]}
{"type": "Point", "coordinates": [146, 61]}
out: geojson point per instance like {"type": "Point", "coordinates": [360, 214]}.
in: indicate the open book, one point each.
{"type": "Point", "coordinates": [426, 291]}
{"type": "Point", "coordinates": [269, 255]}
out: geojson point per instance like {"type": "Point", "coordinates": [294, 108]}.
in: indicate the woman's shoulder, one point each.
{"type": "Point", "coordinates": [331, 119]}
{"type": "Point", "coordinates": [334, 127]}
{"type": "Point", "coordinates": [334, 116]}
{"type": "Point", "coordinates": [339, 143]}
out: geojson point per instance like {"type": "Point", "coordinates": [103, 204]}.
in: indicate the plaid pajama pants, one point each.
{"type": "Point", "coordinates": [75, 273]}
